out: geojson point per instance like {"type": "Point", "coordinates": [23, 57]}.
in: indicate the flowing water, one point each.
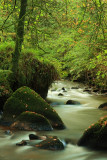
{"type": "Point", "coordinates": [76, 118]}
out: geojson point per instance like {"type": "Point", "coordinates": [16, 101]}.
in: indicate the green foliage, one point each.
{"type": "Point", "coordinates": [5, 90]}
{"type": "Point", "coordinates": [36, 72]}
{"type": "Point", "coordinates": [69, 34]}
{"type": "Point", "coordinates": [6, 50]}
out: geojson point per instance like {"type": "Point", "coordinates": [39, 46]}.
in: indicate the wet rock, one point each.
{"type": "Point", "coordinates": [22, 143]}
{"type": "Point", "coordinates": [104, 91]}
{"type": "Point", "coordinates": [103, 106]}
{"type": "Point", "coordinates": [63, 88]}
{"type": "Point", "coordinates": [60, 94]}
{"type": "Point", "coordinates": [51, 143]}
{"type": "Point", "coordinates": [96, 135]}
{"type": "Point", "coordinates": [72, 102]}
{"type": "Point", "coordinates": [74, 87]}
{"type": "Point", "coordinates": [87, 90]}
{"type": "Point", "coordinates": [33, 137]}
{"type": "Point", "coordinates": [32, 121]}
{"type": "Point", "coordinates": [36, 137]}
{"type": "Point", "coordinates": [95, 90]}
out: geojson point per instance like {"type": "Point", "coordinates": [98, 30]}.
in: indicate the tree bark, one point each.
{"type": "Point", "coordinates": [19, 37]}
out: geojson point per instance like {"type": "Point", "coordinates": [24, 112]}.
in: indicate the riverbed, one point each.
{"type": "Point", "coordinates": [76, 119]}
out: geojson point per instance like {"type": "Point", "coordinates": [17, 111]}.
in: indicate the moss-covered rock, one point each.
{"type": "Point", "coordinates": [32, 121]}
{"type": "Point", "coordinates": [96, 135]}
{"type": "Point", "coordinates": [32, 72]}
{"type": "Point", "coordinates": [36, 74]}
{"type": "Point", "coordinates": [26, 99]}
{"type": "Point", "coordinates": [51, 143]}
{"type": "Point", "coordinates": [103, 106]}
{"type": "Point", "coordinates": [5, 90]}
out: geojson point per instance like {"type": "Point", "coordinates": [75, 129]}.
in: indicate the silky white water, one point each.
{"type": "Point", "coordinates": [76, 118]}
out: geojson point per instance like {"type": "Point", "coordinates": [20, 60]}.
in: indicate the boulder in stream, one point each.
{"type": "Point", "coordinates": [103, 106]}
{"type": "Point", "coordinates": [32, 121]}
{"type": "Point", "coordinates": [75, 87]}
{"type": "Point", "coordinates": [72, 102]}
{"type": "Point", "coordinates": [60, 94]}
{"type": "Point", "coordinates": [51, 143]}
{"type": "Point", "coordinates": [26, 99]}
{"type": "Point", "coordinates": [96, 135]}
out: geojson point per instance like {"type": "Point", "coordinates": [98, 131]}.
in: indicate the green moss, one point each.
{"type": "Point", "coordinates": [32, 72]}
{"type": "Point", "coordinates": [6, 50]}
{"type": "Point", "coordinates": [33, 120]}
{"type": "Point", "coordinates": [26, 99]}
{"type": "Point", "coordinates": [5, 90]}
{"type": "Point", "coordinates": [36, 74]}
{"type": "Point", "coordinates": [96, 135]}
{"type": "Point", "coordinates": [31, 117]}
{"type": "Point", "coordinates": [51, 143]}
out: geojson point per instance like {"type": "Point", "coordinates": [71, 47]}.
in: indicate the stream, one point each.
{"type": "Point", "coordinates": [76, 119]}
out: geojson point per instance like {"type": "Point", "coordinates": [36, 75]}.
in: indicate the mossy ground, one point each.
{"type": "Point", "coordinates": [26, 99]}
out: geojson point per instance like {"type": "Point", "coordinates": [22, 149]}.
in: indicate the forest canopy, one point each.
{"type": "Point", "coordinates": [71, 34]}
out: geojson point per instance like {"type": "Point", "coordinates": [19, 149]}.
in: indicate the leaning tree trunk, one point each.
{"type": "Point", "coordinates": [19, 38]}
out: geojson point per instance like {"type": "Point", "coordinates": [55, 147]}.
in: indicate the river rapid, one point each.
{"type": "Point", "coordinates": [76, 119]}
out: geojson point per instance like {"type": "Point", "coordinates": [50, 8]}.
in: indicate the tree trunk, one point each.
{"type": "Point", "coordinates": [19, 38]}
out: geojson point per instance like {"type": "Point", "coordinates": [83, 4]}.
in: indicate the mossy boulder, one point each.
{"type": "Point", "coordinates": [103, 106]}
{"type": "Point", "coordinates": [51, 143]}
{"type": "Point", "coordinates": [35, 73]}
{"type": "Point", "coordinates": [32, 121]}
{"type": "Point", "coordinates": [26, 99]}
{"type": "Point", "coordinates": [96, 135]}
{"type": "Point", "coordinates": [5, 90]}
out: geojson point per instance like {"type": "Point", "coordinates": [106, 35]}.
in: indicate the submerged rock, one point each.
{"type": "Point", "coordinates": [87, 90]}
{"type": "Point", "coordinates": [74, 87]}
{"type": "Point", "coordinates": [64, 90]}
{"type": "Point", "coordinates": [32, 121]}
{"type": "Point", "coordinates": [103, 106]}
{"type": "Point", "coordinates": [60, 94]}
{"type": "Point", "coordinates": [96, 135]}
{"type": "Point", "coordinates": [22, 143]}
{"type": "Point", "coordinates": [26, 99]}
{"type": "Point", "coordinates": [72, 102]}
{"type": "Point", "coordinates": [51, 143]}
